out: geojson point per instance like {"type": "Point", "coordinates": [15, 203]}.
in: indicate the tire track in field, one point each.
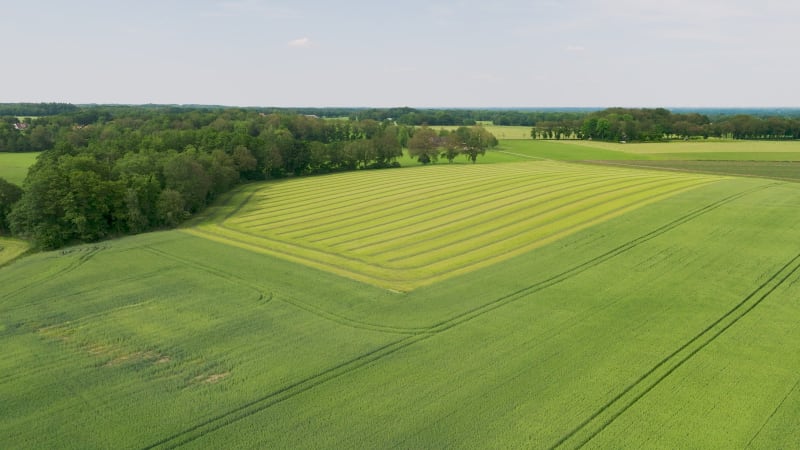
{"type": "Point", "coordinates": [617, 406]}
{"type": "Point", "coordinates": [775, 411]}
{"type": "Point", "coordinates": [319, 312]}
{"type": "Point", "coordinates": [217, 422]}
{"type": "Point", "coordinates": [86, 253]}
{"type": "Point", "coordinates": [262, 294]}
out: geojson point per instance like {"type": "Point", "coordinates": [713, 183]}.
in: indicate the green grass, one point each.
{"type": "Point", "coordinates": [779, 170]}
{"type": "Point", "coordinates": [10, 249]}
{"type": "Point", "coordinates": [563, 151]}
{"type": "Point", "coordinates": [701, 150]}
{"type": "Point", "coordinates": [647, 321]}
{"type": "Point", "coordinates": [14, 166]}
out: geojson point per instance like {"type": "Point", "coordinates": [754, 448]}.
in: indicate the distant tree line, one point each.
{"type": "Point", "coordinates": [449, 117]}
{"type": "Point", "coordinates": [35, 109]}
{"type": "Point", "coordinates": [621, 124]}
{"type": "Point", "coordinates": [113, 171]}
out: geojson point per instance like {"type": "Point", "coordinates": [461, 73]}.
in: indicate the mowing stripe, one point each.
{"type": "Point", "coordinates": [431, 222]}
{"type": "Point", "coordinates": [492, 223]}
{"type": "Point", "coordinates": [437, 200]}
{"type": "Point", "coordinates": [377, 194]}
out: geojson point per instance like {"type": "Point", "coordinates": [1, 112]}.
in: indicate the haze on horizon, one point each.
{"type": "Point", "coordinates": [546, 53]}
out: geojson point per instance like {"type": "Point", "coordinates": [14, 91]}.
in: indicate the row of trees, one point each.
{"type": "Point", "coordinates": [35, 109]}
{"type": "Point", "coordinates": [620, 124]}
{"type": "Point", "coordinates": [450, 117]}
{"type": "Point", "coordinates": [426, 145]}
{"type": "Point", "coordinates": [134, 170]}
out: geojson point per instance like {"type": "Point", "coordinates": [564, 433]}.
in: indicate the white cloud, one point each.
{"type": "Point", "coordinates": [302, 42]}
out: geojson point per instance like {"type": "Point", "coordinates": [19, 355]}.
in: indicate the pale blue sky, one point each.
{"type": "Point", "coordinates": [403, 53]}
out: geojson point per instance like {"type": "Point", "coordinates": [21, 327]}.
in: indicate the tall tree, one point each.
{"type": "Point", "coordinates": [474, 141]}
{"type": "Point", "coordinates": [424, 145]}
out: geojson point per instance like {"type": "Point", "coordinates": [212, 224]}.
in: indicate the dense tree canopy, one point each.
{"type": "Point", "coordinates": [9, 195]}
{"type": "Point", "coordinates": [106, 171]}
{"type": "Point", "coordinates": [128, 170]}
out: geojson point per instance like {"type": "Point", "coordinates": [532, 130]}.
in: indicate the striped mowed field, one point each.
{"type": "Point", "coordinates": [404, 229]}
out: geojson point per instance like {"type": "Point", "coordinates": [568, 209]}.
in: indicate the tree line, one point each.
{"type": "Point", "coordinates": [132, 170]}
{"type": "Point", "coordinates": [35, 109]}
{"type": "Point", "coordinates": [625, 124]}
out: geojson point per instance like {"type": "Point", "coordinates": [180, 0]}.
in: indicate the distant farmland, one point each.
{"type": "Point", "coordinates": [529, 304]}
{"type": "Point", "coordinates": [14, 166]}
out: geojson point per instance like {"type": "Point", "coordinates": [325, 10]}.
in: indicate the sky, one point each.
{"type": "Point", "coordinates": [417, 53]}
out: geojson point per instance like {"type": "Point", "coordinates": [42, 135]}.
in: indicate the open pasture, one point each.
{"type": "Point", "coordinates": [404, 229]}
{"type": "Point", "coordinates": [671, 325]}
{"type": "Point", "coordinates": [738, 150]}
{"type": "Point", "coordinates": [563, 151]}
{"type": "Point", "coordinates": [14, 166]}
{"type": "Point", "coordinates": [504, 132]}
{"type": "Point", "coordinates": [779, 170]}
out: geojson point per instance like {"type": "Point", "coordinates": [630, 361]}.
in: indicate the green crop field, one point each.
{"type": "Point", "coordinates": [14, 166]}
{"type": "Point", "coordinates": [529, 304]}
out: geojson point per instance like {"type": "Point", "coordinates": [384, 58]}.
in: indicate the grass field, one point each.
{"type": "Point", "coordinates": [779, 170]}
{"type": "Point", "coordinates": [11, 249]}
{"type": "Point", "coordinates": [664, 315]}
{"type": "Point", "coordinates": [702, 150]}
{"type": "Point", "coordinates": [401, 230]}
{"type": "Point", "coordinates": [499, 131]}
{"type": "Point", "coordinates": [14, 166]}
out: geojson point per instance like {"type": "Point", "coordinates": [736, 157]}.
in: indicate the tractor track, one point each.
{"type": "Point", "coordinates": [614, 408]}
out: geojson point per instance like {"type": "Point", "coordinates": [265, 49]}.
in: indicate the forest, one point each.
{"type": "Point", "coordinates": [109, 171]}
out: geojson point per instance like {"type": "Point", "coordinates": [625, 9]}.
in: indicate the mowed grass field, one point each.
{"type": "Point", "coordinates": [622, 308]}
{"type": "Point", "coordinates": [14, 166]}
{"type": "Point", "coordinates": [405, 229]}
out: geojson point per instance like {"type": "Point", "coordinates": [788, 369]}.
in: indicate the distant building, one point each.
{"type": "Point", "coordinates": [21, 126]}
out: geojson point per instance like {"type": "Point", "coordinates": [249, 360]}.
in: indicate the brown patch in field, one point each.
{"type": "Point", "coordinates": [129, 357]}
{"type": "Point", "coordinates": [210, 379]}
{"type": "Point", "coordinates": [98, 349]}
{"type": "Point", "coordinates": [56, 332]}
